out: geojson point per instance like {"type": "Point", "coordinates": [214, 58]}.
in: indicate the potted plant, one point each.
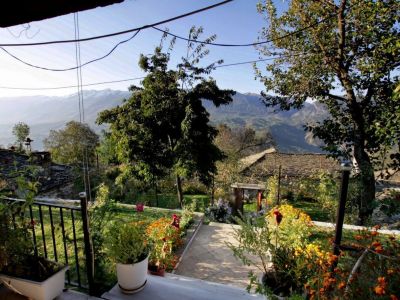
{"type": "Point", "coordinates": [129, 249]}
{"type": "Point", "coordinates": [165, 237]}
{"type": "Point", "coordinates": [21, 269]}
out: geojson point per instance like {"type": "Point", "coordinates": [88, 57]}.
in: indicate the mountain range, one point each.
{"type": "Point", "coordinates": [43, 113]}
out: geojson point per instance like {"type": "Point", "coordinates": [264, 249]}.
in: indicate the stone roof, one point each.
{"type": "Point", "coordinates": [267, 163]}
{"type": "Point", "coordinates": [36, 166]}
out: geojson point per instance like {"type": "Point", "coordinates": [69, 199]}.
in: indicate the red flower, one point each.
{"type": "Point", "coordinates": [278, 216]}
{"type": "Point", "coordinates": [175, 220]}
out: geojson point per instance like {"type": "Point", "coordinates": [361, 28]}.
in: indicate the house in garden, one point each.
{"type": "Point", "coordinates": [36, 166]}
{"type": "Point", "coordinates": [269, 162]}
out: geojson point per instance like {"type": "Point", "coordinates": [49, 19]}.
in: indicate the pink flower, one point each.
{"type": "Point", "coordinates": [139, 207]}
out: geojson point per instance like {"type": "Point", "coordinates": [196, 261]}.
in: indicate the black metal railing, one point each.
{"type": "Point", "coordinates": [60, 233]}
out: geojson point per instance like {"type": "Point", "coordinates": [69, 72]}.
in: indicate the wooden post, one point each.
{"type": "Point", "coordinates": [259, 198]}
{"type": "Point", "coordinates": [278, 202]}
{"type": "Point", "coordinates": [238, 205]}
{"type": "Point", "coordinates": [346, 168]}
{"type": "Point", "coordinates": [89, 257]}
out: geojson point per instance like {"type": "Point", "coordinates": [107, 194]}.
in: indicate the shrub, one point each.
{"type": "Point", "coordinates": [187, 215]}
{"type": "Point", "coordinates": [221, 212]}
{"type": "Point", "coordinates": [165, 238]}
{"type": "Point", "coordinates": [127, 243]}
{"type": "Point", "coordinates": [295, 227]}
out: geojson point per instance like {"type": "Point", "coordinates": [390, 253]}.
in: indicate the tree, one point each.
{"type": "Point", "coordinates": [339, 53]}
{"type": "Point", "coordinates": [21, 132]}
{"type": "Point", "coordinates": [71, 144]}
{"type": "Point", "coordinates": [164, 126]}
{"type": "Point", "coordinates": [237, 143]}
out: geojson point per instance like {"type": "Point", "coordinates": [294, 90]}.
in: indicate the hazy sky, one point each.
{"type": "Point", "coordinates": [235, 22]}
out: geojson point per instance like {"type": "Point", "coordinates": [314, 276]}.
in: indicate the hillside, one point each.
{"type": "Point", "coordinates": [43, 113]}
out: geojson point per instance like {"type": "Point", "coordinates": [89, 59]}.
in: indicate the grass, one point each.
{"type": "Point", "coordinates": [313, 209]}
{"type": "Point", "coordinates": [171, 200]}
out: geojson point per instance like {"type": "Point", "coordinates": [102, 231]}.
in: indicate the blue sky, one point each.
{"type": "Point", "coordinates": [235, 22]}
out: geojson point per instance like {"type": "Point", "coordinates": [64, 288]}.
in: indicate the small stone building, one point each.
{"type": "Point", "coordinates": [261, 165]}
{"type": "Point", "coordinates": [36, 166]}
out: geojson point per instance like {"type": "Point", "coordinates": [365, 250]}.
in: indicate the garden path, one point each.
{"type": "Point", "coordinates": [209, 258]}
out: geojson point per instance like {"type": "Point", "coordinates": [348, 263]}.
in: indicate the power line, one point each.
{"type": "Point", "coordinates": [70, 68]}
{"type": "Point", "coordinates": [120, 32]}
{"type": "Point", "coordinates": [254, 43]}
{"type": "Point", "coordinates": [68, 86]}
{"type": "Point", "coordinates": [138, 78]}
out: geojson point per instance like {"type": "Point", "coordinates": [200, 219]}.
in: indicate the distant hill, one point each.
{"type": "Point", "coordinates": [43, 113]}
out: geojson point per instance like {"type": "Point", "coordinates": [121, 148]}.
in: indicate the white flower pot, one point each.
{"type": "Point", "coordinates": [45, 290]}
{"type": "Point", "coordinates": [132, 277]}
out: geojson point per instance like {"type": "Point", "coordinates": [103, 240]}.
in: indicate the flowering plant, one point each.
{"type": "Point", "coordinates": [165, 237]}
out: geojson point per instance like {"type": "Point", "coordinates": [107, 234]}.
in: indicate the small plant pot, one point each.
{"type": "Point", "coordinates": [44, 290]}
{"type": "Point", "coordinates": [154, 270]}
{"type": "Point", "coordinates": [132, 278]}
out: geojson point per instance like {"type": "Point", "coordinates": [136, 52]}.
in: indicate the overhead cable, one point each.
{"type": "Point", "coordinates": [136, 78]}
{"type": "Point", "coordinates": [70, 68]}
{"type": "Point", "coordinates": [119, 32]}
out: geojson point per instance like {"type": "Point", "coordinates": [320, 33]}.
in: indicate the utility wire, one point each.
{"type": "Point", "coordinates": [70, 68]}
{"type": "Point", "coordinates": [138, 78]}
{"type": "Point", "coordinates": [254, 43]}
{"type": "Point", "coordinates": [120, 32]}
{"type": "Point", "coordinates": [68, 86]}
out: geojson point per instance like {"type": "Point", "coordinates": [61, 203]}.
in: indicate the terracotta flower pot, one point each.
{"type": "Point", "coordinates": [154, 270]}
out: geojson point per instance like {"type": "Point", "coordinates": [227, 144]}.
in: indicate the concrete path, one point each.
{"type": "Point", "coordinates": [209, 258]}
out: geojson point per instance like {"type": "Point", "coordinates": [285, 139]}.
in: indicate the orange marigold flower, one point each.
{"type": "Point", "coordinates": [376, 227]}
{"type": "Point", "coordinates": [379, 290]}
{"type": "Point", "coordinates": [393, 297]}
{"type": "Point", "coordinates": [374, 233]}
{"type": "Point", "coordinates": [379, 249]}
{"type": "Point", "coordinates": [358, 237]}
{"type": "Point", "coordinates": [376, 244]}
{"type": "Point", "coordinates": [333, 258]}
{"type": "Point", "coordinates": [341, 285]}
{"type": "Point", "coordinates": [382, 280]}
{"type": "Point", "coordinates": [390, 272]}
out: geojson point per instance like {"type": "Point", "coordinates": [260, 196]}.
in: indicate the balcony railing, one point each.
{"type": "Point", "coordinates": [60, 232]}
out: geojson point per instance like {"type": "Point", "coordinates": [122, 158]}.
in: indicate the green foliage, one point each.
{"type": "Point", "coordinates": [164, 126]}
{"type": "Point", "coordinates": [127, 243]}
{"type": "Point", "coordinates": [21, 132]}
{"type": "Point", "coordinates": [354, 52]}
{"type": "Point", "coordinates": [16, 244]}
{"type": "Point", "coordinates": [295, 227]}
{"type": "Point", "coordinates": [187, 215]}
{"type": "Point", "coordinates": [68, 145]}
{"type": "Point", "coordinates": [101, 212]}
{"type": "Point", "coordinates": [328, 194]}
{"type": "Point", "coordinates": [272, 188]}
{"type": "Point", "coordinates": [390, 205]}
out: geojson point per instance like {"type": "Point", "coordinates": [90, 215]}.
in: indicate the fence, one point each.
{"type": "Point", "coordinates": [60, 233]}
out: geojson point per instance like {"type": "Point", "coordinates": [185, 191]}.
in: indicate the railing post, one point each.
{"type": "Point", "coordinates": [89, 257]}
{"type": "Point", "coordinates": [346, 168]}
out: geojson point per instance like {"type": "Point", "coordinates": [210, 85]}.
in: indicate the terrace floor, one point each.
{"type": "Point", "coordinates": [160, 288]}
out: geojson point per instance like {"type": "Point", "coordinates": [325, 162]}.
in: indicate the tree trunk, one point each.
{"type": "Point", "coordinates": [179, 190]}
{"type": "Point", "coordinates": [367, 183]}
